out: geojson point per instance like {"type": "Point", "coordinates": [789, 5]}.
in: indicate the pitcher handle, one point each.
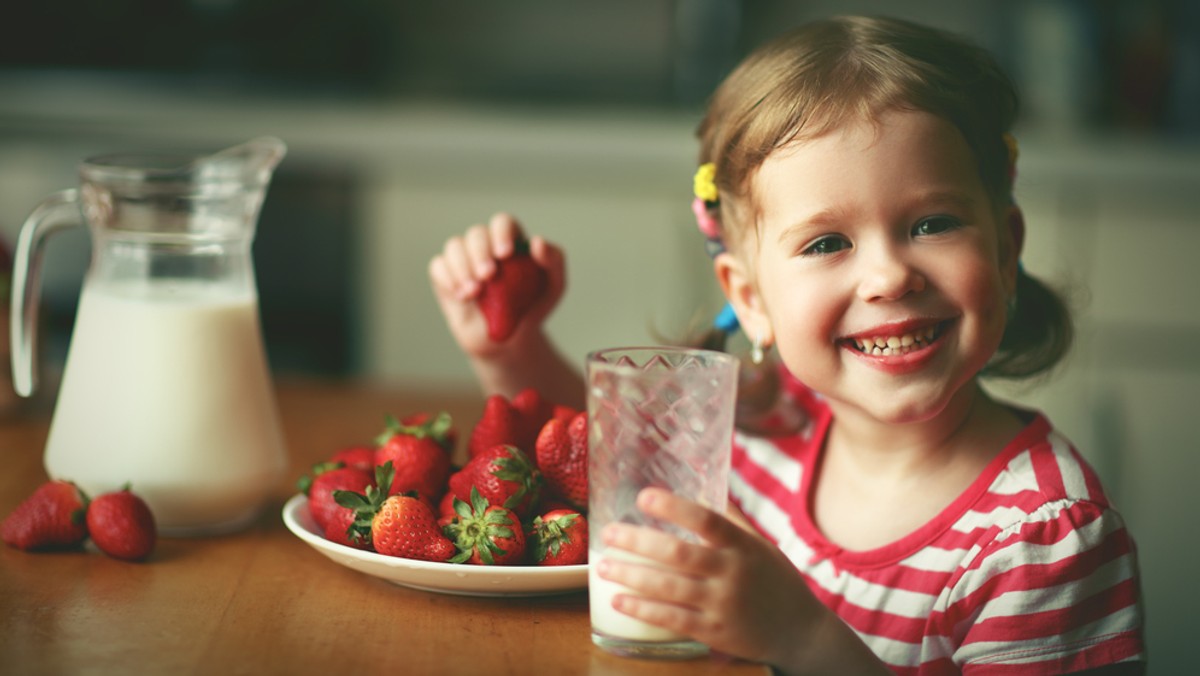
{"type": "Point", "coordinates": [58, 211]}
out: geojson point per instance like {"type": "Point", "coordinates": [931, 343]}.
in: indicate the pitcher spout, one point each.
{"type": "Point", "coordinates": [254, 161]}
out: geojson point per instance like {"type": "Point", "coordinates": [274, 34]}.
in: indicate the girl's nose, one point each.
{"type": "Point", "coordinates": [886, 276]}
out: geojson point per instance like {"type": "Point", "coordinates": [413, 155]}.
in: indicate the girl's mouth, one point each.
{"type": "Point", "coordinates": [890, 345]}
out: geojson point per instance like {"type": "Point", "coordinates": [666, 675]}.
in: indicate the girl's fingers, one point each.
{"type": "Point", "coordinates": [455, 269]}
{"type": "Point", "coordinates": [648, 580]}
{"type": "Point", "coordinates": [670, 616]}
{"type": "Point", "coordinates": [685, 557]}
{"type": "Point", "coordinates": [478, 246]}
{"type": "Point", "coordinates": [503, 230]}
{"type": "Point", "coordinates": [712, 527]}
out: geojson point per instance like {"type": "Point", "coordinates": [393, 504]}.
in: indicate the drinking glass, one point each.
{"type": "Point", "coordinates": [657, 416]}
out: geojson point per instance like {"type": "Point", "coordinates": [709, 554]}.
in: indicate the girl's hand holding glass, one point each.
{"type": "Point", "coordinates": [734, 591]}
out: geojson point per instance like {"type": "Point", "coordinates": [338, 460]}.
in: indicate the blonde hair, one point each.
{"type": "Point", "coordinates": [818, 77]}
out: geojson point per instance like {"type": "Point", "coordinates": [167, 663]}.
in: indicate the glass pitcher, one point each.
{"type": "Point", "coordinates": [166, 385]}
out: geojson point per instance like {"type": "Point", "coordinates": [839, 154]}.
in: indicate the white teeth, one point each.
{"type": "Point", "coordinates": [888, 345]}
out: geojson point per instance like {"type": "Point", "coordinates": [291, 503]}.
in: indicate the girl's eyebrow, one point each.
{"type": "Point", "coordinates": [822, 219]}
{"type": "Point", "coordinates": [956, 198]}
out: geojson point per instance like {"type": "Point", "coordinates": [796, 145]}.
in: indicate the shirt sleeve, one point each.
{"type": "Point", "coordinates": [1054, 593]}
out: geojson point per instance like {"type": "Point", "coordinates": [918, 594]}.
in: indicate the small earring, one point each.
{"type": "Point", "coordinates": [756, 350]}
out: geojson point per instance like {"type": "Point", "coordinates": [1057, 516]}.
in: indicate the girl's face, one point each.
{"type": "Point", "coordinates": [881, 269]}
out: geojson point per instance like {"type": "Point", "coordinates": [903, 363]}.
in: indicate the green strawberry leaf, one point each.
{"type": "Point", "coordinates": [437, 428]}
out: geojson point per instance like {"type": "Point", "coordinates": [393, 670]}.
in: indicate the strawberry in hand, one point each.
{"type": "Point", "coordinates": [515, 287]}
{"type": "Point", "coordinates": [53, 517]}
{"type": "Point", "coordinates": [558, 538]}
{"type": "Point", "coordinates": [485, 534]}
{"type": "Point", "coordinates": [562, 457]}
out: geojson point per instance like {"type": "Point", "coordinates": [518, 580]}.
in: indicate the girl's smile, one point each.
{"type": "Point", "coordinates": [901, 347]}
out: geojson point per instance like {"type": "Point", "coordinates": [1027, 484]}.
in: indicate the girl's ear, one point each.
{"type": "Point", "coordinates": [1011, 242]}
{"type": "Point", "coordinates": [740, 290]}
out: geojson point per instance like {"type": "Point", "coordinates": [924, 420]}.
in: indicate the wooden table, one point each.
{"type": "Point", "coordinates": [261, 601]}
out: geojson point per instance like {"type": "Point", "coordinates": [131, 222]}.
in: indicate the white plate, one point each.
{"type": "Point", "coordinates": [447, 578]}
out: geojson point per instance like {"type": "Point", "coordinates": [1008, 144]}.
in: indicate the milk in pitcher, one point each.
{"type": "Point", "coordinates": [198, 437]}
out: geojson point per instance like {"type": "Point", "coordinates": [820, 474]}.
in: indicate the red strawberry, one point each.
{"type": "Point", "coordinates": [562, 457]}
{"type": "Point", "coordinates": [562, 412]}
{"type": "Point", "coordinates": [533, 411]}
{"type": "Point", "coordinates": [485, 534]}
{"type": "Point", "coordinates": [500, 424]}
{"type": "Point", "coordinates": [504, 477]}
{"type": "Point", "coordinates": [53, 517]}
{"type": "Point", "coordinates": [406, 527]}
{"type": "Point", "coordinates": [396, 525]}
{"type": "Point", "coordinates": [506, 297]}
{"type": "Point", "coordinates": [362, 457]}
{"type": "Point", "coordinates": [339, 530]}
{"type": "Point", "coordinates": [122, 525]}
{"type": "Point", "coordinates": [446, 506]}
{"type": "Point", "coordinates": [325, 479]}
{"type": "Point", "coordinates": [558, 538]}
{"type": "Point", "coordinates": [449, 437]}
{"type": "Point", "coordinates": [420, 462]}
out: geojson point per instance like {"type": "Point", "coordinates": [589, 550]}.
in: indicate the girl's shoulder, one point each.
{"type": "Point", "coordinates": [1041, 465]}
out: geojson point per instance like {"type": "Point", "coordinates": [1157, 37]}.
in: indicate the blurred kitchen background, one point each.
{"type": "Point", "coordinates": [409, 121]}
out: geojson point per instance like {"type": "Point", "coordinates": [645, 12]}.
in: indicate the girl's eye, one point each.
{"type": "Point", "coordinates": [935, 225]}
{"type": "Point", "coordinates": [826, 245]}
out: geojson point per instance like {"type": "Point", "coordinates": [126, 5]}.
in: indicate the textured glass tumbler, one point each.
{"type": "Point", "coordinates": [657, 416]}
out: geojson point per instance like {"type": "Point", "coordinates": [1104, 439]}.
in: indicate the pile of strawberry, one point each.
{"type": "Point", "coordinates": [520, 499]}
{"type": "Point", "coordinates": [58, 515]}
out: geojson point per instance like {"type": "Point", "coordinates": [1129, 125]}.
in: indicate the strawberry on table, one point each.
{"type": "Point", "coordinates": [122, 525]}
{"type": "Point", "coordinates": [396, 525]}
{"type": "Point", "coordinates": [562, 457]}
{"type": "Point", "coordinates": [326, 478]}
{"type": "Point", "coordinates": [504, 476]}
{"type": "Point", "coordinates": [417, 454]}
{"type": "Point", "coordinates": [515, 287]}
{"type": "Point", "coordinates": [53, 517]}
{"type": "Point", "coordinates": [485, 534]}
{"type": "Point", "coordinates": [558, 538]}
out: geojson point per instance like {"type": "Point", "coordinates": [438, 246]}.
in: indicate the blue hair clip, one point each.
{"type": "Point", "coordinates": [726, 320]}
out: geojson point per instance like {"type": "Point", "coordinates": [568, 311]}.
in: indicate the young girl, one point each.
{"type": "Point", "coordinates": [855, 184]}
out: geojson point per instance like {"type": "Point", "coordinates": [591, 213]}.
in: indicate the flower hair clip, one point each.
{"type": "Point", "coordinates": [705, 189]}
{"type": "Point", "coordinates": [704, 182]}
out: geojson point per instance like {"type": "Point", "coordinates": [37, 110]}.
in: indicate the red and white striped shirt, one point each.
{"type": "Point", "coordinates": [1029, 571]}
